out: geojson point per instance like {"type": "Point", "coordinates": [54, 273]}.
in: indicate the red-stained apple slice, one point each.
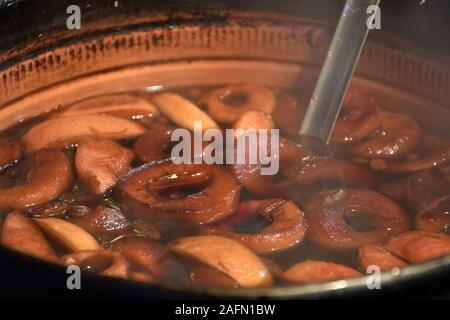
{"type": "Point", "coordinates": [66, 131]}
{"type": "Point", "coordinates": [101, 163]}
{"type": "Point", "coordinates": [253, 120]}
{"type": "Point", "coordinates": [312, 271]}
{"type": "Point", "coordinates": [227, 256]}
{"type": "Point", "coordinates": [418, 246]}
{"type": "Point", "coordinates": [21, 234]}
{"type": "Point", "coordinates": [373, 255]}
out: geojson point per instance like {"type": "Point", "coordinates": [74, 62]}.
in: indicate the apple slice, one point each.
{"type": "Point", "coordinates": [119, 105]}
{"type": "Point", "coordinates": [312, 271]}
{"type": "Point", "coordinates": [211, 277]}
{"type": "Point", "coordinates": [21, 234]}
{"type": "Point", "coordinates": [50, 176]}
{"type": "Point", "coordinates": [65, 131]}
{"type": "Point", "coordinates": [374, 255]}
{"type": "Point", "coordinates": [227, 256]}
{"type": "Point", "coordinates": [69, 235]}
{"type": "Point", "coordinates": [419, 246]}
{"type": "Point", "coordinates": [183, 112]}
{"type": "Point", "coordinates": [105, 262]}
{"type": "Point", "coordinates": [253, 120]}
{"type": "Point", "coordinates": [101, 163]}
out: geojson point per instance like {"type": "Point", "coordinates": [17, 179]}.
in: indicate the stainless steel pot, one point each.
{"type": "Point", "coordinates": [132, 45]}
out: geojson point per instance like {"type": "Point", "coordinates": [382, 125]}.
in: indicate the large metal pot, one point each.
{"type": "Point", "coordinates": [130, 45]}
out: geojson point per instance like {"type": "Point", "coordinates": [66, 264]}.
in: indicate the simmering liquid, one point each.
{"type": "Point", "coordinates": [105, 183]}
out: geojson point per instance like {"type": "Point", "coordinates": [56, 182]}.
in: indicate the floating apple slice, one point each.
{"type": "Point", "coordinates": [65, 131]}
{"type": "Point", "coordinates": [119, 105]}
{"type": "Point", "coordinates": [226, 255]}
{"type": "Point", "coordinates": [419, 246]}
{"type": "Point", "coordinates": [105, 262]}
{"type": "Point", "coordinates": [67, 234]}
{"type": "Point", "coordinates": [312, 271]}
{"type": "Point", "coordinates": [49, 176]}
{"type": "Point", "coordinates": [253, 120]}
{"type": "Point", "coordinates": [182, 111]}
{"type": "Point", "coordinates": [101, 163]}
{"type": "Point", "coordinates": [374, 255]}
{"type": "Point", "coordinates": [211, 277]}
{"type": "Point", "coordinates": [21, 234]}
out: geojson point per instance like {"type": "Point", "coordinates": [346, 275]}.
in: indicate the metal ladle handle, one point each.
{"type": "Point", "coordinates": [336, 73]}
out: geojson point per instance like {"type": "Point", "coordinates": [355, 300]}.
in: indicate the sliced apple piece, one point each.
{"type": "Point", "coordinates": [253, 120]}
{"type": "Point", "coordinates": [105, 262]}
{"type": "Point", "coordinates": [227, 256]}
{"type": "Point", "coordinates": [65, 131]}
{"type": "Point", "coordinates": [152, 256]}
{"type": "Point", "coordinates": [419, 246]}
{"type": "Point", "coordinates": [104, 223]}
{"type": "Point", "coordinates": [21, 234]}
{"type": "Point", "coordinates": [119, 105]}
{"type": "Point", "coordinates": [312, 271]}
{"type": "Point", "coordinates": [50, 176]}
{"type": "Point", "coordinates": [101, 163]}
{"type": "Point", "coordinates": [183, 112]}
{"type": "Point", "coordinates": [374, 255]}
{"type": "Point", "coordinates": [211, 277]}
{"type": "Point", "coordinates": [69, 235]}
